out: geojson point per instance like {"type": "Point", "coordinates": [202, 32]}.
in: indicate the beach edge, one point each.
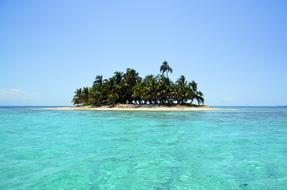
{"type": "Point", "coordinates": [136, 108]}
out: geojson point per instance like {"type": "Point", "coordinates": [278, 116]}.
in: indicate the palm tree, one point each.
{"type": "Point", "coordinates": [165, 68]}
{"type": "Point", "coordinates": [181, 90]}
{"type": "Point", "coordinates": [116, 85]}
{"type": "Point", "coordinates": [164, 90]}
{"type": "Point", "coordinates": [140, 93]}
{"type": "Point", "coordinates": [98, 81]}
{"type": "Point", "coordinates": [77, 99]}
{"type": "Point", "coordinates": [150, 83]}
{"type": "Point", "coordinates": [181, 81]}
{"type": "Point", "coordinates": [131, 78]}
{"type": "Point", "coordinates": [81, 96]}
{"type": "Point", "coordinates": [118, 77]}
{"type": "Point", "coordinates": [191, 88]}
{"type": "Point", "coordinates": [199, 98]}
{"type": "Point", "coordinates": [193, 85]}
{"type": "Point", "coordinates": [95, 96]}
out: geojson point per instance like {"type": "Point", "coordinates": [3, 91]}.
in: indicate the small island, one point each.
{"type": "Point", "coordinates": [130, 92]}
{"type": "Point", "coordinates": [130, 88]}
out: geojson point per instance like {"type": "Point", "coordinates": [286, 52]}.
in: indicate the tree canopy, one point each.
{"type": "Point", "coordinates": [130, 88]}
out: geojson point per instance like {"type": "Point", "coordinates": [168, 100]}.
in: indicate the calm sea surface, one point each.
{"type": "Point", "coordinates": [235, 148]}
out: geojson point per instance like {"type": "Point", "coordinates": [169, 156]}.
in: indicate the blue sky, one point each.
{"type": "Point", "coordinates": [235, 50]}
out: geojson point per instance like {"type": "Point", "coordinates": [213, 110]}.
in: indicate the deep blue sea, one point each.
{"type": "Point", "coordinates": [234, 148]}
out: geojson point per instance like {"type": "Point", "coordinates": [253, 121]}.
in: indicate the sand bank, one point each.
{"type": "Point", "coordinates": [128, 107]}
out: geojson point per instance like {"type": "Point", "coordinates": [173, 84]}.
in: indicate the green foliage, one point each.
{"type": "Point", "coordinates": [130, 88]}
{"type": "Point", "coordinates": [112, 98]}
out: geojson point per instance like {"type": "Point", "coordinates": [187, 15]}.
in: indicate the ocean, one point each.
{"type": "Point", "coordinates": [232, 148]}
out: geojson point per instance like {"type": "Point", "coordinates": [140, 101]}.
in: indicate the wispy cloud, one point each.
{"type": "Point", "coordinates": [14, 96]}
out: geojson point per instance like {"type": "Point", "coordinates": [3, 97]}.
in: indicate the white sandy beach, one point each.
{"type": "Point", "coordinates": [129, 107]}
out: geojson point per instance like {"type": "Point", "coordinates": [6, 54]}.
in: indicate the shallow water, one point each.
{"type": "Point", "coordinates": [236, 148]}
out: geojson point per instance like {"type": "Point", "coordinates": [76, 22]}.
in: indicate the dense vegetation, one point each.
{"type": "Point", "coordinates": [130, 88]}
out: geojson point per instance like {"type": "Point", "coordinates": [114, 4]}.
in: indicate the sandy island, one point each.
{"type": "Point", "coordinates": [131, 107]}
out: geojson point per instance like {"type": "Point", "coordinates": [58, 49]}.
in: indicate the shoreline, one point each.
{"type": "Point", "coordinates": [128, 107]}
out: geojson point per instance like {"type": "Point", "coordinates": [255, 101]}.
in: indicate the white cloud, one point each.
{"type": "Point", "coordinates": [14, 96]}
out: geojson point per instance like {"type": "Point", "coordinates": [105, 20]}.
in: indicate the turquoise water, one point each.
{"type": "Point", "coordinates": [236, 148]}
